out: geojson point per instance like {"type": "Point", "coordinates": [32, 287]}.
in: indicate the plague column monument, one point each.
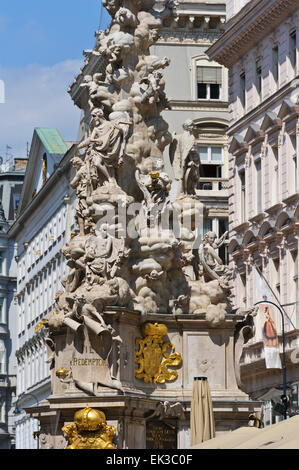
{"type": "Point", "coordinates": [145, 306]}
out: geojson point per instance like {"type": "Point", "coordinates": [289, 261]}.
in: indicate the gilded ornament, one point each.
{"type": "Point", "coordinates": [89, 431]}
{"type": "Point", "coordinates": [40, 326]}
{"type": "Point", "coordinates": [155, 175]}
{"type": "Point", "coordinates": [62, 373]}
{"type": "Point", "coordinates": [153, 356]}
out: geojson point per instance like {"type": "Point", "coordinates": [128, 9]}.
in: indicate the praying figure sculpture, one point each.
{"type": "Point", "coordinates": [185, 160]}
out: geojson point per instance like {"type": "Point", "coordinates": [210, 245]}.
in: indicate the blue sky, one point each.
{"type": "Point", "coordinates": [42, 42]}
{"type": "Point", "coordinates": [47, 31]}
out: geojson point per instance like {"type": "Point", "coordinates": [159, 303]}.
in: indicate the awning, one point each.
{"type": "Point", "coordinates": [283, 435]}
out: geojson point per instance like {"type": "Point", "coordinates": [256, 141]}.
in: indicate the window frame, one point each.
{"type": "Point", "coordinates": [293, 50]}
{"type": "Point", "coordinates": [275, 64]}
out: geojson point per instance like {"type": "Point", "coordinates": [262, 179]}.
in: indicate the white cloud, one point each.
{"type": "Point", "coordinates": [36, 96]}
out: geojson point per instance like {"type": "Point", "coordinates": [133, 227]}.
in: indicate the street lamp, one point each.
{"type": "Point", "coordinates": [18, 411]}
{"type": "Point", "coordinates": [283, 397]}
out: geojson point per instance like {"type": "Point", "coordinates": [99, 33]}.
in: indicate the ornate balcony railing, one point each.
{"type": "Point", "coordinates": [213, 184]}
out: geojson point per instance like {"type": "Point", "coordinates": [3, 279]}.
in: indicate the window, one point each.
{"type": "Point", "coordinates": [45, 168]}
{"type": "Point", "coordinates": [211, 158]}
{"type": "Point", "coordinates": [295, 283]}
{"type": "Point", "coordinates": [2, 357]}
{"type": "Point", "coordinates": [2, 313]}
{"type": "Point", "coordinates": [223, 250]}
{"type": "Point", "coordinates": [294, 161]}
{"type": "Point", "coordinates": [276, 175]}
{"type": "Point", "coordinates": [275, 63]}
{"type": "Point", "coordinates": [207, 226]}
{"type": "Point", "coordinates": [258, 71]}
{"type": "Point", "coordinates": [276, 263]}
{"type": "Point", "coordinates": [243, 89]}
{"type": "Point", "coordinates": [1, 262]}
{"type": "Point", "coordinates": [293, 48]}
{"type": "Point", "coordinates": [209, 81]}
{"type": "Point", "coordinates": [16, 203]}
{"type": "Point", "coordinates": [243, 195]}
{"type": "Point", "coordinates": [210, 155]}
{"type": "Point", "coordinates": [258, 169]}
{"type": "Point", "coordinates": [243, 288]}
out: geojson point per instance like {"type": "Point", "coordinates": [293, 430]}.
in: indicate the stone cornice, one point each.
{"type": "Point", "coordinates": [173, 36]}
{"type": "Point", "coordinates": [245, 30]}
{"type": "Point", "coordinates": [198, 105]}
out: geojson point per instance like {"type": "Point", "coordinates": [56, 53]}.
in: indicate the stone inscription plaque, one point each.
{"type": "Point", "coordinates": [160, 435]}
{"type": "Point", "coordinates": [90, 363]}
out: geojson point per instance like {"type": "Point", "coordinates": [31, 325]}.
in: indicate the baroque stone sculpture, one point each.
{"type": "Point", "coordinates": [149, 268]}
{"type": "Point", "coordinates": [145, 304]}
{"type": "Point", "coordinates": [134, 249]}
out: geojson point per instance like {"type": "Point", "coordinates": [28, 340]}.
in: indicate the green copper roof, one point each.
{"type": "Point", "coordinates": [52, 140]}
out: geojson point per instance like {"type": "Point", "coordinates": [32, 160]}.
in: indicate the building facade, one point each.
{"type": "Point", "coordinates": [11, 181]}
{"type": "Point", "coordinates": [44, 224]}
{"type": "Point", "coordinates": [260, 49]}
{"type": "Point", "coordinates": [198, 89]}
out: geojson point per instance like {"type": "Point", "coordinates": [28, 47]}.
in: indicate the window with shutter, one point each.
{"type": "Point", "coordinates": [209, 83]}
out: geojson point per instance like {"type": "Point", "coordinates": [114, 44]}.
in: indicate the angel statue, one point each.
{"type": "Point", "coordinates": [211, 262]}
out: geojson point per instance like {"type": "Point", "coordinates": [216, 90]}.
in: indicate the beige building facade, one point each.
{"type": "Point", "coordinates": [260, 49]}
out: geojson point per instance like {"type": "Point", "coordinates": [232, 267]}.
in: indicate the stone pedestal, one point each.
{"type": "Point", "coordinates": [136, 410]}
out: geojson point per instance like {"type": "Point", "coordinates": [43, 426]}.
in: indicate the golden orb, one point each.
{"type": "Point", "coordinates": [89, 419]}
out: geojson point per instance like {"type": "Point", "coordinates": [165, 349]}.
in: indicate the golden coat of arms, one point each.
{"type": "Point", "coordinates": [155, 356]}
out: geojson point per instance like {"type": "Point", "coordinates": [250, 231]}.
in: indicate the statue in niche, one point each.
{"type": "Point", "coordinates": [212, 264]}
{"type": "Point", "coordinates": [106, 145]}
{"type": "Point", "coordinates": [185, 159]}
{"type": "Point", "coordinates": [82, 185]}
{"type": "Point", "coordinates": [74, 253]}
{"type": "Point", "coordinates": [155, 188]}
{"type": "Point", "coordinates": [103, 255]}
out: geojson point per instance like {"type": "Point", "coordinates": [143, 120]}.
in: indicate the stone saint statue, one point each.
{"type": "Point", "coordinates": [185, 159]}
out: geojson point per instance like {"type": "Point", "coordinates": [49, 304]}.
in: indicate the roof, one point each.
{"type": "Point", "coordinates": [52, 140]}
{"type": "Point", "coordinates": [282, 435]}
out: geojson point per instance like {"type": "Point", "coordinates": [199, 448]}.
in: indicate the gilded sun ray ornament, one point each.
{"type": "Point", "coordinates": [154, 357]}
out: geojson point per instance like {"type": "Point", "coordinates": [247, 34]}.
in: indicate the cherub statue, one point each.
{"type": "Point", "coordinates": [99, 95]}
